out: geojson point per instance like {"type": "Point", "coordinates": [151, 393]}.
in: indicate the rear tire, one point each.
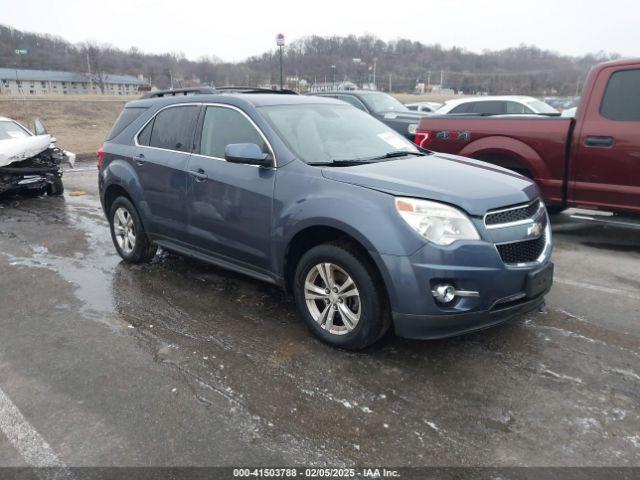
{"type": "Point", "coordinates": [340, 297]}
{"type": "Point", "coordinates": [128, 234]}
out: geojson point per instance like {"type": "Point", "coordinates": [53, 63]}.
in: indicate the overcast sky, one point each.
{"type": "Point", "coordinates": [233, 30]}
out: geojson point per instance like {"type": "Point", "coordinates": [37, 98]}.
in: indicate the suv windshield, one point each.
{"type": "Point", "coordinates": [382, 102]}
{"type": "Point", "coordinates": [9, 130]}
{"type": "Point", "coordinates": [321, 134]}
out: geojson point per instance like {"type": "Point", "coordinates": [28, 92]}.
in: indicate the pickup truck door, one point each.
{"type": "Point", "coordinates": [230, 204]}
{"type": "Point", "coordinates": [605, 169]}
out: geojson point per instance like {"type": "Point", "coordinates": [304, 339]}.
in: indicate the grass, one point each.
{"type": "Point", "coordinates": [80, 123]}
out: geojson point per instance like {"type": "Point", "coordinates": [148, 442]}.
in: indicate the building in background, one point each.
{"type": "Point", "coordinates": [44, 82]}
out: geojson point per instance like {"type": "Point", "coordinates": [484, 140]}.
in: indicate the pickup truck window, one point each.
{"type": "Point", "coordinates": [223, 126]}
{"type": "Point", "coordinates": [621, 100]}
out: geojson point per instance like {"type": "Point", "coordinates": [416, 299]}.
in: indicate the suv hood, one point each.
{"type": "Point", "coordinates": [472, 185]}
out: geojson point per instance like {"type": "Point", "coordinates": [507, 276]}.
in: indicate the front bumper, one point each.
{"type": "Point", "coordinates": [15, 182]}
{"type": "Point", "coordinates": [427, 327]}
{"type": "Point", "coordinates": [474, 266]}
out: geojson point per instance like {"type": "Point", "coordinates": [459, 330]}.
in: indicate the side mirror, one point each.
{"type": "Point", "coordinates": [39, 128]}
{"type": "Point", "coordinates": [248, 153]}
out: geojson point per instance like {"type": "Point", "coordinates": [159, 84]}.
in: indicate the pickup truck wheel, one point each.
{"type": "Point", "coordinates": [128, 234]}
{"type": "Point", "coordinates": [337, 294]}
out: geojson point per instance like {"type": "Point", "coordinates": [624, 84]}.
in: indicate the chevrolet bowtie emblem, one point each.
{"type": "Point", "coordinates": [534, 230]}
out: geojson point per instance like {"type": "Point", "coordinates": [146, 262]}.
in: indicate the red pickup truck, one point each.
{"type": "Point", "coordinates": [590, 161]}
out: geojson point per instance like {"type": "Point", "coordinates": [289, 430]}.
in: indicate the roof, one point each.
{"type": "Point", "coordinates": [348, 92]}
{"type": "Point", "coordinates": [257, 100]}
{"type": "Point", "coordinates": [488, 98]}
{"type": "Point", "coordinates": [59, 76]}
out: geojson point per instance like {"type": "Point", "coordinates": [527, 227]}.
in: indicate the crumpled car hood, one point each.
{"type": "Point", "coordinates": [472, 185]}
{"type": "Point", "coordinates": [19, 149]}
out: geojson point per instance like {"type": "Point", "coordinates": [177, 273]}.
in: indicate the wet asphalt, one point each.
{"type": "Point", "coordinates": [178, 363]}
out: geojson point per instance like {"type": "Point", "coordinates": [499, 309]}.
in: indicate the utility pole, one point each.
{"type": "Point", "coordinates": [441, 79]}
{"type": "Point", "coordinates": [578, 87]}
{"type": "Point", "coordinates": [375, 61]}
{"type": "Point", "coordinates": [428, 78]}
{"type": "Point", "coordinates": [90, 76]}
{"type": "Point", "coordinates": [280, 44]}
{"type": "Point", "coordinates": [333, 73]}
{"type": "Point", "coordinates": [389, 83]}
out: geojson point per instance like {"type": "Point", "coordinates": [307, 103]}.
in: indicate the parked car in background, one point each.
{"type": "Point", "coordinates": [505, 105]}
{"type": "Point", "coordinates": [427, 107]}
{"type": "Point", "coordinates": [327, 202]}
{"type": "Point", "coordinates": [30, 163]}
{"type": "Point", "coordinates": [382, 106]}
{"type": "Point", "coordinates": [591, 161]}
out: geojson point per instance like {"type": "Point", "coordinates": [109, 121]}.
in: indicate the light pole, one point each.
{"type": "Point", "coordinates": [280, 44]}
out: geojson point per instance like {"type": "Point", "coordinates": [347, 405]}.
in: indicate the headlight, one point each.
{"type": "Point", "coordinates": [437, 222]}
{"type": "Point", "coordinates": [412, 128]}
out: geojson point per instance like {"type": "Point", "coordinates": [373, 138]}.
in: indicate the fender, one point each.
{"type": "Point", "coordinates": [120, 172]}
{"type": "Point", "coordinates": [509, 147]}
{"type": "Point", "coordinates": [349, 230]}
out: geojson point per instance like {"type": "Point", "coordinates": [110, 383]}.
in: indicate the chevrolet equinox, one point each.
{"type": "Point", "coordinates": [313, 195]}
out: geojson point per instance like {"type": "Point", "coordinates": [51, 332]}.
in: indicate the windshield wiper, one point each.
{"type": "Point", "coordinates": [364, 161]}
{"type": "Point", "coordinates": [398, 153]}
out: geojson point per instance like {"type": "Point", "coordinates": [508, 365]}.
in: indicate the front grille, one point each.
{"type": "Point", "coordinates": [522, 252]}
{"type": "Point", "coordinates": [512, 215]}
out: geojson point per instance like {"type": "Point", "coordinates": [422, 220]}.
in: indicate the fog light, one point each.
{"type": "Point", "coordinates": [444, 293]}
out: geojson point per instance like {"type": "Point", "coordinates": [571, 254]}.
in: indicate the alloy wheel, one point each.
{"type": "Point", "coordinates": [332, 298]}
{"type": "Point", "coordinates": [125, 230]}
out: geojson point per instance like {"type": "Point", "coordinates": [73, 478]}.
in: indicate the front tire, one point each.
{"type": "Point", "coordinates": [128, 234]}
{"type": "Point", "coordinates": [56, 188]}
{"type": "Point", "coordinates": [339, 295]}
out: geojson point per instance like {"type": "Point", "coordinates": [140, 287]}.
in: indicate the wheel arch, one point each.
{"type": "Point", "coordinates": [315, 234]}
{"type": "Point", "coordinates": [508, 153]}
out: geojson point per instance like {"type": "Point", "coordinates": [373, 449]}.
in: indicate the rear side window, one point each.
{"type": "Point", "coordinates": [352, 100]}
{"type": "Point", "coordinates": [515, 107]}
{"type": "Point", "coordinates": [464, 108]}
{"type": "Point", "coordinates": [126, 118]}
{"type": "Point", "coordinates": [489, 108]}
{"type": "Point", "coordinates": [621, 100]}
{"type": "Point", "coordinates": [224, 126]}
{"type": "Point", "coordinates": [173, 128]}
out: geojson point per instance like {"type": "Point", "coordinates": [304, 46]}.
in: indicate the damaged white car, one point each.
{"type": "Point", "coordinates": [30, 163]}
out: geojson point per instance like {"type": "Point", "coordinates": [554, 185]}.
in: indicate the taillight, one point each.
{"type": "Point", "coordinates": [100, 158]}
{"type": "Point", "coordinates": [423, 138]}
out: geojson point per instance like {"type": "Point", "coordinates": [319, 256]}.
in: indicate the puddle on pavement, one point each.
{"type": "Point", "coordinates": [503, 394]}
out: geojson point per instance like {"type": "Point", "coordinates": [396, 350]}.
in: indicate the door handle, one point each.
{"type": "Point", "coordinates": [597, 141]}
{"type": "Point", "coordinates": [199, 175]}
{"type": "Point", "coordinates": [140, 159]}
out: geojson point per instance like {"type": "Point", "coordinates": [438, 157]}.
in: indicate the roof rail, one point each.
{"type": "Point", "coordinates": [241, 89]}
{"type": "Point", "coordinates": [180, 91]}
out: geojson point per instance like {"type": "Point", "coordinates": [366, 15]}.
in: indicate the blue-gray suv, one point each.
{"type": "Point", "coordinates": [315, 196]}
